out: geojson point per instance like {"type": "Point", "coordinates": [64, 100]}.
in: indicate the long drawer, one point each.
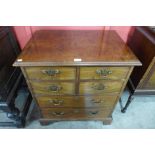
{"type": "Point", "coordinates": [113, 73]}
{"type": "Point", "coordinates": [100, 87]}
{"type": "Point", "coordinates": [75, 113]}
{"type": "Point", "coordinates": [51, 73]}
{"type": "Point", "coordinates": [53, 88]}
{"type": "Point", "coordinates": [77, 101]}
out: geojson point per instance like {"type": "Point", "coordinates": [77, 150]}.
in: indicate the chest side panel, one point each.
{"type": "Point", "coordinates": [148, 80]}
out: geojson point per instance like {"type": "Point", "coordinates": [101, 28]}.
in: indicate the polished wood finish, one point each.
{"type": "Point", "coordinates": [53, 88]}
{"type": "Point", "coordinates": [51, 73]}
{"type": "Point", "coordinates": [100, 87]}
{"type": "Point", "coordinates": [76, 113]}
{"type": "Point", "coordinates": [61, 47]}
{"type": "Point", "coordinates": [114, 73]}
{"type": "Point", "coordinates": [76, 75]}
{"type": "Point", "coordinates": [78, 101]}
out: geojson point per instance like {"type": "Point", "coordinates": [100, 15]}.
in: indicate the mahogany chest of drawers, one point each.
{"type": "Point", "coordinates": [76, 75]}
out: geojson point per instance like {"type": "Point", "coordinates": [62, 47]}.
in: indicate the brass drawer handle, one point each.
{"type": "Point", "coordinates": [76, 111]}
{"type": "Point", "coordinates": [58, 113]}
{"type": "Point", "coordinates": [93, 112]}
{"type": "Point", "coordinates": [51, 72]}
{"type": "Point", "coordinates": [103, 72]}
{"type": "Point", "coordinates": [56, 102]}
{"type": "Point", "coordinates": [54, 88]}
{"type": "Point", "coordinates": [99, 86]}
{"type": "Point", "coordinates": [99, 101]}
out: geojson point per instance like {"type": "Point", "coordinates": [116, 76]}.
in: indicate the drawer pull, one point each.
{"type": "Point", "coordinates": [55, 88]}
{"type": "Point", "coordinates": [99, 86]}
{"type": "Point", "coordinates": [76, 111]}
{"type": "Point", "coordinates": [58, 113]}
{"type": "Point", "coordinates": [93, 112]}
{"type": "Point", "coordinates": [103, 72]}
{"type": "Point", "coordinates": [97, 101]}
{"type": "Point", "coordinates": [56, 102]}
{"type": "Point", "coordinates": [51, 72]}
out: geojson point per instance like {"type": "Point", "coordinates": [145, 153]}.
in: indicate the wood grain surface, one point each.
{"type": "Point", "coordinates": [62, 47]}
{"type": "Point", "coordinates": [59, 88]}
{"type": "Point", "coordinates": [75, 113]}
{"type": "Point", "coordinates": [76, 75]}
{"type": "Point", "coordinates": [51, 73]}
{"type": "Point", "coordinates": [113, 73]}
{"type": "Point", "coordinates": [78, 101]}
{"type": "Point", "coordinates": [100, 87]}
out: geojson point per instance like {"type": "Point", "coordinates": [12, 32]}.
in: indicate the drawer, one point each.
{"type": "Point", "coordinates": [51, 73]}
{"type": "Point", "coordinates": [77, 101]}
{"type": "Point", "coordinates": [75, 113]}
{"type": "Point", "coordinates": [99, 87]}
{"type": "Point", "coordinates": [53, 88]}
{"type": "Point", "coordinates": [114, 73]}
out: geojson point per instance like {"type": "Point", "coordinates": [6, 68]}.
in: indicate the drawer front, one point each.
{"type": "Point", "coordinates": [103, 72]}
{"type": "Point", "coordinates": [53, 88]}
{"type": "Point", "coordinates": [51, 73]}
{"type": "Point", "coordinates": [75, 113]}
{"type": "Point", "coordinates": [77, 101]}
{"type": "Point", "coordinates": [100, 87]}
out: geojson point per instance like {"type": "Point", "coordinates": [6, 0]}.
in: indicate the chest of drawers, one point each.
{"type": "Point", "coordinates": [76, 75]}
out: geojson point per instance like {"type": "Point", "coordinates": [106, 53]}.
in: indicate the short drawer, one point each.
{"type": "Point", "coordinates": [114, 73]}
{"type": "Point", "coordinates": [99, 87]}
{"type": "Point", "coordinates": [75, 113]}
{"type": "Point", "coordinates": [53, 88]}
{"type": "Point", "coordinates": [51, 73]}
{"type": "Point", "coordinates": [77, 101]}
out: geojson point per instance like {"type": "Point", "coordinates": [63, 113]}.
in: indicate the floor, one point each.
{"type": "Point", "coordinates": [140, 115]}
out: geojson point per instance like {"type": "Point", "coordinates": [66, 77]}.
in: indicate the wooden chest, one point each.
{"type": "Point", "coordinates": [76, 75]}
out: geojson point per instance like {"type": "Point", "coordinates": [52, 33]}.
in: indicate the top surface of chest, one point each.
{"type": "Point", "coordinates": [65, 47]}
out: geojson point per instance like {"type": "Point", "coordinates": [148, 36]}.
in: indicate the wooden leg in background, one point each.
{"type": "Point", "coordinates": [20, 117]}
{"type": "Point", "coordinates": [14, 111]}
{"type": "Point", "coordinates": [131, 97]}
